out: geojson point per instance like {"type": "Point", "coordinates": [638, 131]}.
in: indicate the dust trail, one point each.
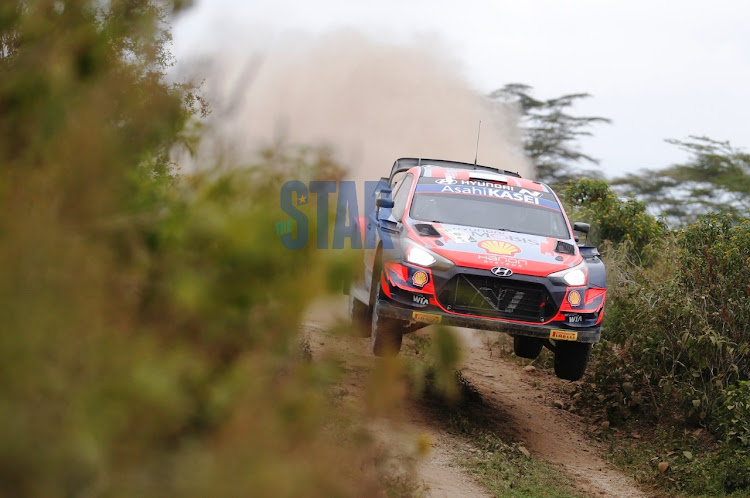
{"type": "Point", "coordinates": [372, 102]}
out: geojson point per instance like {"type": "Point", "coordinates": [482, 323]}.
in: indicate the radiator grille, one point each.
{"type": "Point", "coordinates": [497, 297]}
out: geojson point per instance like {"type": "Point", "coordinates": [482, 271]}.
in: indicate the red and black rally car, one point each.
{"type": "Point", "coordinates": [473, 246]}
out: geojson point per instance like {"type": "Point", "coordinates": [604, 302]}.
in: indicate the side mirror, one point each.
{"type": "Point", "coordinates": [384, 202]}
{"type": "Point", "coordinates": [383, 197]}
{"type": "Point", "coordinates": [579, 226]}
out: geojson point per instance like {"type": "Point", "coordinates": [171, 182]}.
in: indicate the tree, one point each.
{"type": "Point", "coordinates": [622, 222]}
{"type": "Point", "coordinates": [715, 178]}
{"type": "Point", "coordinates": [551, 133]}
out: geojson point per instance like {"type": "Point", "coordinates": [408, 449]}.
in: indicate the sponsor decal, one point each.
{"type": "Point", "coordinates": [499, 271]}
{"type": "Point", "coordinates": [419, 279]}
{"type": "Point", "coordinates": [475, 183]}
{"type": "Point", "coordinates": [420, 300]}
{"type": "Point", "coordinates": [574, 298]}
{"type": "Point", "coordinates": [473, 234]}
{"type": "Point", "coordinates": [499, 247]}
{"type": "Point", "coordinates": [500, 193]}
{"type": "Point", "coordinates": [487, 188]}
{"type": "Point", "coordinates": [426, 317]}
{"type": "Point", "coordinates": [457, 235]}
{"type": "Point", "coordinates": [448, 180]}
{"type": "Point", "coordinates": [522, 240]}
{"type": "Point", "coordinates": [563, 335]}
{"type": "Point", "coordinates": [503, 260]}
{"type": "Point", "coordinates": [574, 318]}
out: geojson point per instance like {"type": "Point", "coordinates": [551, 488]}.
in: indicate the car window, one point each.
{"type": "Point", "coordinates": [397, 178]}
{"type": "Point", "coordinates": [401, 195]}
{"type": "Point", "coordinates": [489, 205]}
{"type": "Point", "coordinates": [498, 214]}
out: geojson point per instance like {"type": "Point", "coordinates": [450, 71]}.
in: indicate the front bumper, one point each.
{"type": "Point", "coordinates": [556, 331]}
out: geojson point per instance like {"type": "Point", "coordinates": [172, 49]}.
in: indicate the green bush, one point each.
{"type": "Point", "coordinates": [613, 220]}
{"type": "Point", "coordinates": [680, 328]}
{"type": "Point", "coordinates": [732, 417]}
{"type": "Point", "coordinates": [676, 349]}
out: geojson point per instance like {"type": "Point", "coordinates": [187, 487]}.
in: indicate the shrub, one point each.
{"type": "Point", "coordinates": [681, 328]}
{"type": "Point", "coordinates": [612, 219]}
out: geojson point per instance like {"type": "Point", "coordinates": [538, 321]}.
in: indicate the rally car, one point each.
{"type": "Point", "coordinates": [474, 246]}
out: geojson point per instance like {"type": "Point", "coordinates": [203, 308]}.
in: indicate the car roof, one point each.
{"type": "Point", "coordinates": [406, 163]}
{"type": "Point", "coordinates": [440, 168]}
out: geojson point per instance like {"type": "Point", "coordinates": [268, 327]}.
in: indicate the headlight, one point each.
{"type": "Point", "coordinates": [418, 255]}
{"type": "Point", "coordinates": [574, 277]}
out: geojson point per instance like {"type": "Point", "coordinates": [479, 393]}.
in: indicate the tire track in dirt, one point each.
{"type": "Point", "coordinates": [523, 403]}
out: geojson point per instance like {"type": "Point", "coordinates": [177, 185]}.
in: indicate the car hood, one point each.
{"type": "Point", "coordinates": [485, 248]}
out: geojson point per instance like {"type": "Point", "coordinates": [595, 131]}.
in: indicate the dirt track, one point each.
{"type": "Point", "coordinates": [524, 406]}
{"type": "Point", "coordinates": [518, 405]}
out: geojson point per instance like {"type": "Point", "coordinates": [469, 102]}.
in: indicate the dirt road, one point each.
{"type": "Point", "coordinates": [521, 406]}
{"type": "Point", "coordinates": [528, 408]}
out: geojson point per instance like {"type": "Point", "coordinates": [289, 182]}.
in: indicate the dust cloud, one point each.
{"type": "Point", "coordinates": [372, 102]}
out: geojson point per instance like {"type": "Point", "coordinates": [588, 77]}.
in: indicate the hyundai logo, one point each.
{"type": "Point", "coordinates": [448, 180]}
{"type": "Point", "coordinates": [499, 271]}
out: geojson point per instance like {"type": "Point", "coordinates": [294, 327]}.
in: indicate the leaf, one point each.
{"type": "Point", "coordinates": [663, 466]}
{"type": "Point", "coordinates": [526, 452]}
{"type": "Point", "coordinates": [688, 455]}
{"type": "Point", "coordinates": [697, 403]}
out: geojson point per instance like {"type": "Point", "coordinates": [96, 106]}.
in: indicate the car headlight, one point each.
{"type": "Point", "coordinates": [418, 255]}
{"type": "Point", "coordinates": [574, 277]}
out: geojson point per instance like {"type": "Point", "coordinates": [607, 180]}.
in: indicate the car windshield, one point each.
{"type": "Point", "coordinates": [489, 212]}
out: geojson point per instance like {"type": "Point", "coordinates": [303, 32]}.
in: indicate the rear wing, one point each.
{"type": "Point", "coordinates": [406, 163]}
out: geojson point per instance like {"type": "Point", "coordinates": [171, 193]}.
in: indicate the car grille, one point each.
{"type": "Point", "coordinates": [497, 298]}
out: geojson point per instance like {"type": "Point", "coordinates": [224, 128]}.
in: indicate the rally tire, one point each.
{"type": "Point", "coordinates": [359, 316]}
{"type": "Point", "coordinates": [386, 333]}
{"type": "Point", "coordinates": [571, 359]}
{"type": "Point", "coordinates": [527, 347]}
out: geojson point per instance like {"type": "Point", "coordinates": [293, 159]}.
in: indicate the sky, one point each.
{"type": "Point", "coordinates": [658, 69]}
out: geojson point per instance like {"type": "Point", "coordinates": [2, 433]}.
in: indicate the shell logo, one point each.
{"type": "Point", "coordinates": [499, 247]}
{"type": "Point", "coordinates": [574, 298]}
{"type": "Point", "coordinates": [419, 279]}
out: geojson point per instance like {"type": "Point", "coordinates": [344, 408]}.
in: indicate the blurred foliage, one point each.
{"type": "Point", "coordinates": [445, 355]}
{"type": "Point", "coordinates": [715, 178]}
{"type": "Point", "coordinates": [551, 132]}
{"type": "Point", "coordinates": [151, 322]}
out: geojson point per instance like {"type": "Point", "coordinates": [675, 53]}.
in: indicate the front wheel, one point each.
{"type": "Point", "coordinates": [386, 333]}
{"type": "Point", "coordinates": [571, 359]}
{"type": "Point", "coordinates": [527, 347]}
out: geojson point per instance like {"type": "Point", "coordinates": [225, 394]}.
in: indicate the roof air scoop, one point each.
{"type": "Point", "coordinates": [490, 177]}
